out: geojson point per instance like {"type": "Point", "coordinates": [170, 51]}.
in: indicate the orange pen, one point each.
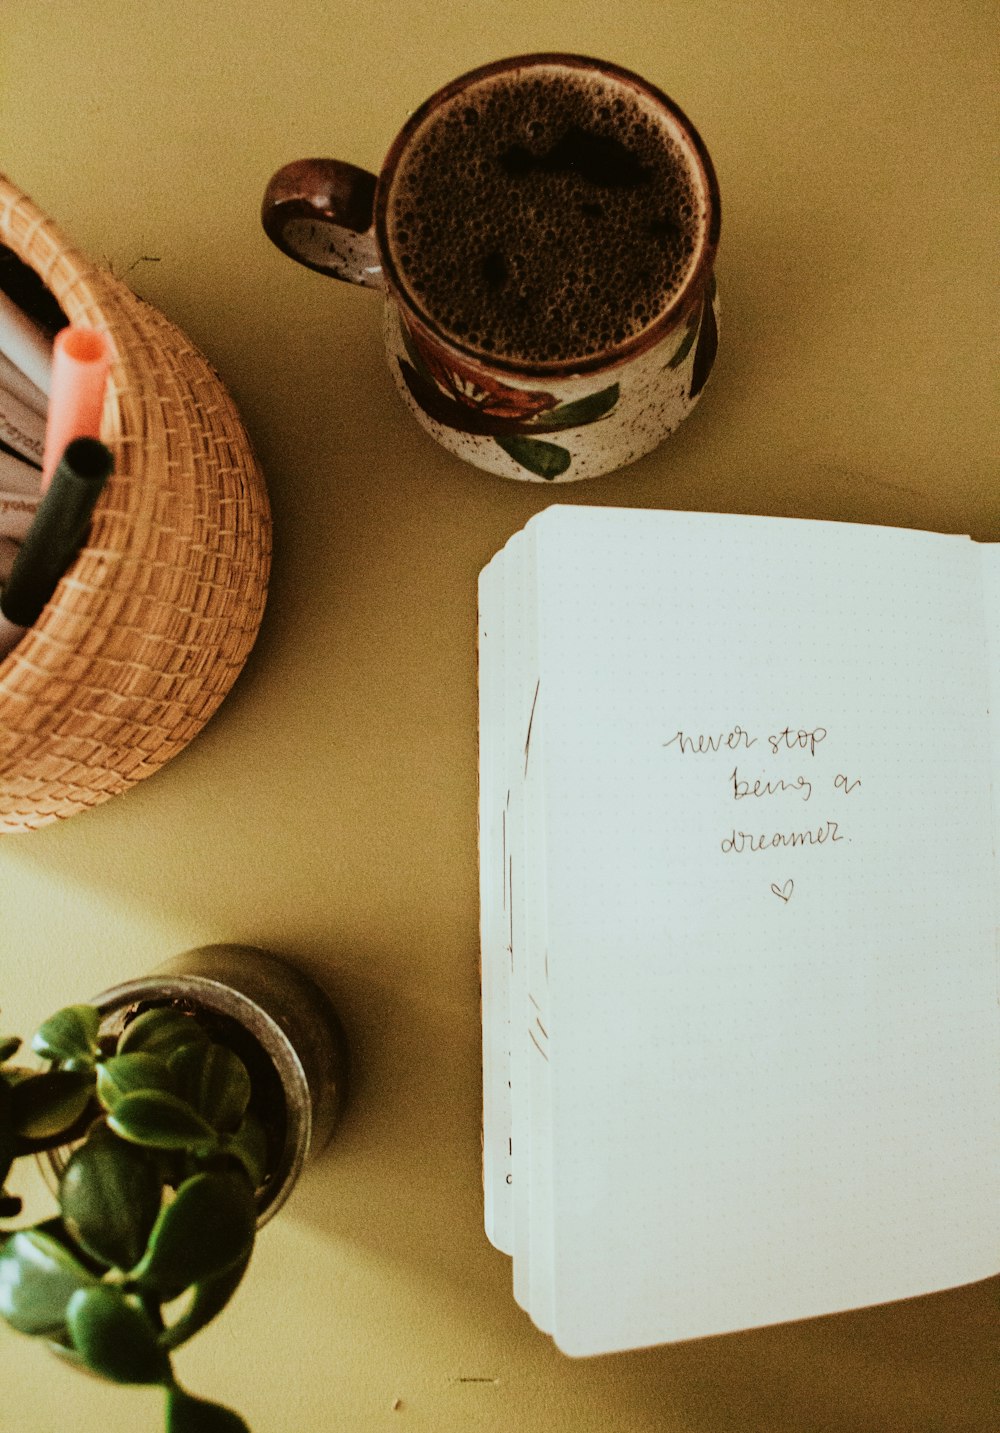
{"type": "Point", "coordinates": [81, 358]}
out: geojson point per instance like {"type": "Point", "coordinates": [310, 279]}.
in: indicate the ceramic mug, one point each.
{"type": "Point", "coordinates": [543, 230]}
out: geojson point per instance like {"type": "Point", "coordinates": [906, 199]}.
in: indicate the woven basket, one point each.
{"type": "Point", "coordinates": [150, 626]}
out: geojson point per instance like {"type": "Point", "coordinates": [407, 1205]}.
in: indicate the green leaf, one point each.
{"type": "Point", "coordinates": [70, 1034]}
{"type": "Point", "coordinates": [685, 347]}
{"type": "Point", "coordinates": [110, 1195]}
{"type": "Point", "coordinates": [38, 1277]}
{"type": "Point", "coordinates": [160, 1120]}
{"type": "Point", "coordinates": [54, 1228]}
{"type": "Point", "coordinates": [708, 346]}
{"type": "Point", "coordinates": [124, 1074]}
{"type": "Point", "coordinates": [9, 1045]}
{"type": "Point", "coordinates": [210, 1297]}
{"type": "Point", "coordinates": [546, 460]}
{"type": "Point", "coordinates": [187, 1414]}
{"type": "Point", "coordinates": [160, 1032]}
{"type": "Point", "coordinates": [208, 1227]}
{"type": "Point", "coordinates": [8, 1137]}
{"type": "Point", "coordinates": [578, 413]}
{"type": "Point", "coordinates": [214, 1081]}
{"type": "Point", "coordinates": [415, 356]}
{"type": "Point", "coordinates": [48, 1104]}
{"type": "Point", "coordinates": [115, 1338]}
{"type": "Point", "coordinates": [249, 1146]}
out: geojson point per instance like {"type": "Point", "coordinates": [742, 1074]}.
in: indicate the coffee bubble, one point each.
{"type": "Point", "coordinates": [544, 217]}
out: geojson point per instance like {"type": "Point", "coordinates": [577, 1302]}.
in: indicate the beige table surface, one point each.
{"type": "Point", "coordinates": [329, 809]}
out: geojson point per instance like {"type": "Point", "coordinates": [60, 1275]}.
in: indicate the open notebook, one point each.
{"type": "Point", "coordinates": [741, 1032]}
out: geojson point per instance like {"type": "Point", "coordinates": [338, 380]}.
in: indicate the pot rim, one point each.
{"type": "Point", "coordinates": [217, 998]}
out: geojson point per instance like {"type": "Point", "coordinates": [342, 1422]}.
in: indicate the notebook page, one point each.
{"type": "Point", "coordinates": [773, 1020]}
{"type": "Point", "coordinates": [494, 959]}
{"type": "Point", "coordinates": [989, 554]}
{"type": "Point", "coordinates": [538, 1136]}
{"type": "Point", "coordinates": [517, 701]}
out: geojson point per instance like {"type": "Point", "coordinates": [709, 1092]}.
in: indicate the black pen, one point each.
{"type": "Point", "coordinates": [54, 538]}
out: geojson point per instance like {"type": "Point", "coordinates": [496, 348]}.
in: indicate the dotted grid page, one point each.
{"type": "Point", "coordinates": [494, 957]}
{"type": "Point", "coordinates": [773, 1028]}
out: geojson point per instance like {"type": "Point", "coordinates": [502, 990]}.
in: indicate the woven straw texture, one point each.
{"type": "Point", "coordinates": [150, 626]}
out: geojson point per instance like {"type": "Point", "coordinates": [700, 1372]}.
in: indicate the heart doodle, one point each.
{"type": "Point", "coordinates": [784, 893]}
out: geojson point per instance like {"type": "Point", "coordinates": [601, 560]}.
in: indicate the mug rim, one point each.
{"type": "Point", "coordinates": [629, 348]}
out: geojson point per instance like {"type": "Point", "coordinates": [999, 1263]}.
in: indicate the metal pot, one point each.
{"type": "Point", "coordinates": [278, 1020]}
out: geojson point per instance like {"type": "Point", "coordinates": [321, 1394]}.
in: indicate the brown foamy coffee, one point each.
{"type": "Point", "coordinates": [546, 215]}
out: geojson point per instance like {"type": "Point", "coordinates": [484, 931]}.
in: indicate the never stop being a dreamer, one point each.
{"type": "Point", "coordinates": [780, 763]}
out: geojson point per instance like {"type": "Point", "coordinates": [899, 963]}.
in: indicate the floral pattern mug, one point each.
{"type": "Point", "coordinates": [548, 420]}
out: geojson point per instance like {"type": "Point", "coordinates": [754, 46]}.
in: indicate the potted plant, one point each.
{"type": "Point", "coordinates": [173, 1115]}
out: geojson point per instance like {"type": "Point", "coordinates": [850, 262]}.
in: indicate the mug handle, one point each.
{"type": "Point", "coordinates": [320, 212]}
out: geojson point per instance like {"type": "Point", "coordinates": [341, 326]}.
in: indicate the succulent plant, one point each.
{"type": "Point", "coordinates": [156, 1200]}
